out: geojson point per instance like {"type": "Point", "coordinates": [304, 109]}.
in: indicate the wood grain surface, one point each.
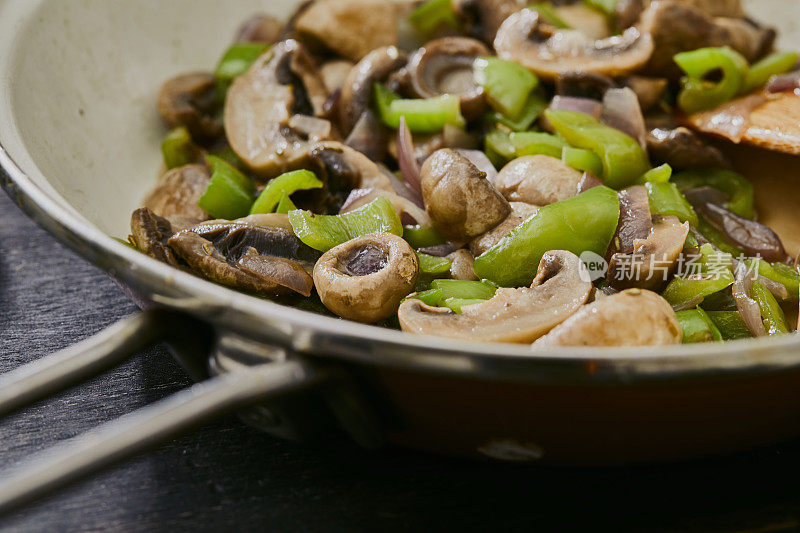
{"type": "Point", "coordinates": [228, 477]}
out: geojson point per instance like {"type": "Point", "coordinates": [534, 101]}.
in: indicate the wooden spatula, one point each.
{"type": "Point", "coordinates": [770, 121]}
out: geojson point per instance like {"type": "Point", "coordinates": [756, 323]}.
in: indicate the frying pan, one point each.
{"type": "Point", "coordinates": [79, 148]}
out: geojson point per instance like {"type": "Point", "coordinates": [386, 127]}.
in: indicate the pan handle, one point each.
{"type": "Point", "coordinates": [54, 373]}
{"type": "Point", "coordinates": [149, 426]}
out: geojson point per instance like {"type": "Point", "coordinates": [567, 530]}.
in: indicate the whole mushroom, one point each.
{"type": "Point", "coordinates": [538, 180]}
{"type": "Point", "coordinates": [607, 322]}
{"type": "Point", "coordinates": [512, 315]}
{"type": "Point", "coordinates": [459, 199]}
{"type": "Point", "coordinates": [366, 278]}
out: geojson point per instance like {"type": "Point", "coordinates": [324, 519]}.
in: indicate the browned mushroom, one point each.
{"type": "Point", "coordinates": [667, 142]}
{"type": "Point", "coordinates": [349, 28]}
{"type": "Point", "coordinates": [653, 259]}
{"type": "Point", "coordinates": [607, 322]}
{"type": "Point", "coordinates": [190, 100]}
{"type": "Point", "coordinates": [582, 84]}
{"type": "Point", "coordinates": [260, 29]}
{"type": "Point", "coordinates": [445, 66]}
{"type": "Point", "coordinates": [461, 267]}
{"type": "Point", "coordinates": [357, 88]}
{"type": "Point", "coordinates": [538, 180]}
{"type": "Point", "coordinates": [549, 51]}
{"type": "Point", "coordinates": [267, 261]}
{"type": "Point", "coordinates": [520, 212]}
{"type": "Point", "coordinates": [460, 201]}
{"type": "Point", "coordinates": [482, 18]}
{"type": "Point", "coordinates": [366, 278]}
{"type": "Point", "coordinates": [260, 104]}
{"type": "Point", "coordinates": [334, 73]}
{"type": "Point", "coordinates": [512, 315]}
{"type": "Point", "coordinates": [150, 233]}
{"type": "Point", "coordinates": [649, 91]}
{"type": "Point", "coordinates": [178, 192]}
{"type": "Point", "coordinates": [635, 220]}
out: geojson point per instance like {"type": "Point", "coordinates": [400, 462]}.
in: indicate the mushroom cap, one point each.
{"type": "Point", "coordinates": [150, 234]}
{"type": "Point", "coordinates": [607, 322]}
{"type": "Point", "coordinates": [366, 278]}
{"type": "Point", "coordinates": [357, 88]}
{"type": "Point", "coordinates": [445, 66]}
{"type": "Point", "coordinates": [178, 191]}
{"type": "Point", "coordinates": [560, 288]}
{"type": "Point", "coordinates": [652, 259]}
{"type": "Point", "coordinates": [549, 51]}
{"type": "Point", "coordinates": [348, 168]}
{"type": "Point", "coordinates": [281, 83]}
{"type": "Point", "coordinates": [460, 201]}
{"type": "Point", "coordinates": [190, 100]}
{"type": "Point", "coordinates": [482, 18]}
{"type": "Point", "coordinates": [350, 28]}
{"type": "Point", "coordinates": [538, 180]}
{"type": "Point", "coordinates": [462, 267]}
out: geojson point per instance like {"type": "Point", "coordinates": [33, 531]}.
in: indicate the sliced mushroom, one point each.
{"type": "Point", "coordinates": [334, 73]}
{"type": "Point", "coordinates": [607, 322]}
{"type": "Point", "coordinates": [677, 27]}
{"type": "Point", "coordinates": [260, 29]}
{"type": "Point", "coordinates": [190, 100]}
{"type": "Point", "coordinates": [349, 28]}
{"type": "Point", "coordinates": [445, 66]}
{"type": "Point", "coordinates": [357, 88]}
{"type": "Point", "coordinates": [512, 315]}
{"type": "Point", "coordinates": [347, 169]}
{"type": "Point", "coordinates": [537, 180]}
{"type": "Point", "coordinates": [178, 192]}
{"type": "Point", "coordinates": [549, 51]}
{"type": "Point", "coordinates": [482, 18]}
{"type": "Point", "coordinates": [366, 278]}
{"type": "Point", "coordinates": [520, 212]}
{"type": "Point", "coordinates": [370, 137]}
{"type": "Point", "coordinates": [266, 261]}
{"type": "Point", "coordinates": [462, 265]}
{"type": "Point", "coordinates": [590, 22]}
{"type": "Point", "coordinates": [260, 104]}
{"type": "Point", "coordinates": [150, 234]}
{"type": "Point", "coordinates": [460, 201]}
{"type": "Point", "coordinates": [681, 147]}
{"type": "Point", "coordinates": [635, 221]}
{"type": "Point", "coordinates": [653, 259]}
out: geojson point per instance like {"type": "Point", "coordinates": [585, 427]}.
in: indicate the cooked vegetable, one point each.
{"type": "Point", "coordinates": [713, 276]}
{"type": "Point", "coordinates": [660, 174]}
{"type": "Point", "coordinates": [229, 194]}
{"type": "Point", "coordinates": [624, 161]}
{"type": "Point", "coordinates": [422, 116]}
{"type": "Point", "coordinates": [739, 191]}
{"type": "Point", "coordinates": [535, 143]}
{"type": "Point", "coordinates": [431, 297]}
{"type": "Point", "coordinates": [433, 15]}
{"type": "Point", "coordinates": [583, 160]}
{"type": "Point", "coordinates": [431, 266]}
{"type": "Point", "coordinates": [730, 325]}
{"type": "Point", "coordinates": [778, 272]}
{"type": "Point", "coordinates": [323, 232]}
{"type": "Point", "coordinates": [178, 148]}
{"type": "Point", "coordinates": [773, 65]}
{"type": "Point", "coordinates": [549, 14]}
{"type": "Point", "coordinates": [584, 223]}
{"type": "Point", "coordinates": [422, 236]}
{"type": "Point", "coordinates": [468, 290]}
{"type": "Point", "coordinates": [282, 187]}
{"type": "Point", "coordinates": [507, 85]}
{"type": "Point", "coordinates": [698, 327]}
{"type": "Point", "coordinates": [699, 94]}
{"type": "Point", "coordinates": [666, 199]}
{"type": "Point", "coordinates": [237, 59]}
{"type": "Point", "coordinates": [771, 312]}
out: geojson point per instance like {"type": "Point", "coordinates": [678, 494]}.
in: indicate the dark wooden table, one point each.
{"type": "Point", "coordinates": [228, 477]}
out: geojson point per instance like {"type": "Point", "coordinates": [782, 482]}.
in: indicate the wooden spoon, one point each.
{"type": "Point", "coordinates": [770, 121]}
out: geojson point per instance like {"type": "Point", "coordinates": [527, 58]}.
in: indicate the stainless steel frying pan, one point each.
{"type": "Point", "coordinates": [78, 148]}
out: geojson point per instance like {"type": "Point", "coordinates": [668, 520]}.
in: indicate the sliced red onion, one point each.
{"type": "Point", "coordinates": [399, 186]}
{"type": "Point", "coordinates": [748, 308]}
{"type": "Point", "coordinates": [621, 110]}
{"type": "Point", "coordinates": [576, 103]}
{"type": "Point", "coordinates": [479, 159]}
{"type": "Point", "coordinates": [409, 167]}
{"type": "Point", "coordinates": [353, 199]}
{"type": "Point", "coordinates": [755, 239]}
{"type": "Point", "coordinates": [778, 290]}
{"type": "Point", "coordinates": [785, 83]}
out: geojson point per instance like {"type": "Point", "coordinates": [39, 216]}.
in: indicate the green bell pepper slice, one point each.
{"type": "Point", "coordinates": [178, 149]}
{"type": "Point", "coordinates": [583, 160]}
{"type": "Point", "coordinates": [498, 147]}
{"type": "Point", "coordinates": [537, 143]}
{"type": "Point", "coordinates": [284, 185]}
{"type": "Point", "coordinates": [323, 232]}
{"type": "Point", "coordinates": [779, 272]}
{"type": "Point", "coordinates": [606, 7]}
{"type": "Point", "coordinates": [698, 327]}
{"type": "Point", "coordinates": [730, 325]}
{"type": "Point", "coordinates": [698, 94]}
{"type": "Point", "coordinates": [433, 15]}
{"type": "Point", "coordinates": [427, 115]}
{"type": "Point", "coordinates": [422, 236]}
{"type": "Point", "coordinates": [430, 297]}
{"type": "Point", "coordinates": [455, 304]}
{"type": "Point", "coordinates": [771, 312]}
{"type": "Point", "coordinates": [506, 84]}
{"type": "Point", "coordinates": [624, 160]}
{"type": "Point", "coordinates": [229, 194]}
{"type": "Point", "coordinates": [236, 61]}
{"type": "Point", "coordinates": [660, 174]}
{"type": "Point", "coordinates": [285, 205]}
{"type": "Point", "coordinates": [468, 290]}
{"type": "Point", "coordinates": [666, 199]}
{"type": "Point", "coordinates": [737, 187]}
{"type": "Point", "coordinates": [432, 266]}
{"type": "Point", "coordinates": [549, 15]}
{"type": "Point", "coordinates": [536, 104]}
{"type": "Point", "coordinates": [585, 222]}
{"type": "Point", "coordinates": [714, 275]}
{"type": "Point", "coordinates": [773, 65]}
